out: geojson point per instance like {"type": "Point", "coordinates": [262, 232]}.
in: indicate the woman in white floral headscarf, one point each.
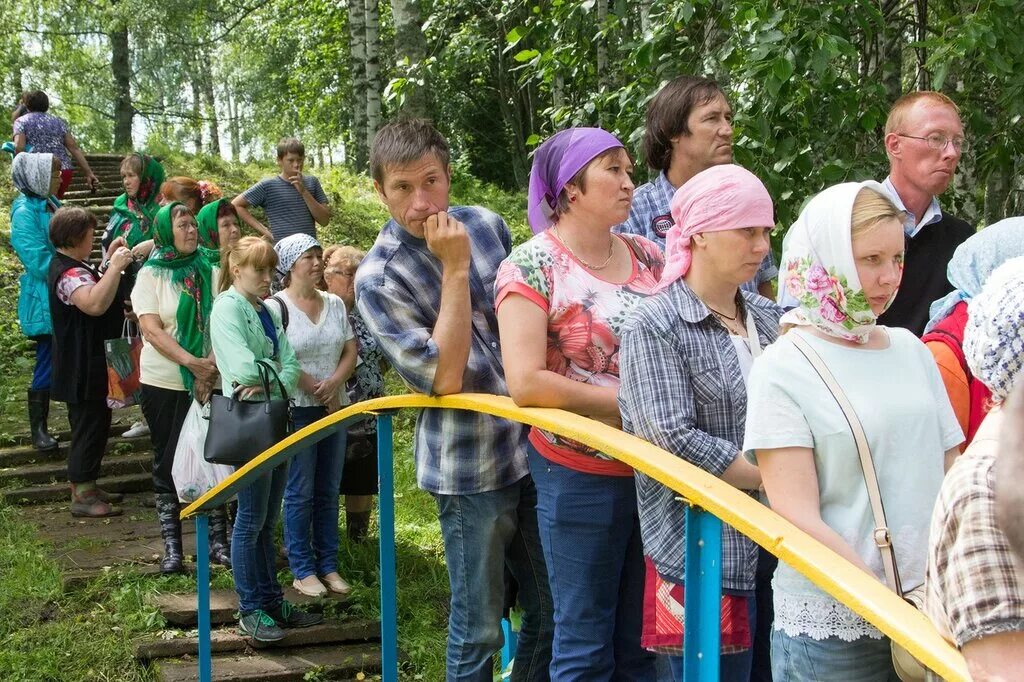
{"type": "Point", "coordinates": [843, 260]}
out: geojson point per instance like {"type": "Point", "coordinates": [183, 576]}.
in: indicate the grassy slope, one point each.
{"type": "Point", "coordinates": [45, 634]}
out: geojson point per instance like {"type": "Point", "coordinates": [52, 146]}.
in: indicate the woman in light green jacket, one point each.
{"type": "Point", "coordinates": [243, 331]}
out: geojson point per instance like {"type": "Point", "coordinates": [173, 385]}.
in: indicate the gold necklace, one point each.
{"type": "Point", "coordinates": [602, 266]}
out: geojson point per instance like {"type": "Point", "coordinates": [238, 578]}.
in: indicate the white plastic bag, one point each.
{"type": "Point", "coordinates": [193, 475]}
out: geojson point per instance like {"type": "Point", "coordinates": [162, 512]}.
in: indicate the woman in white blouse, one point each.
{"type": "Point", "coordinates": [842, 261]}
{"type": "Point", "coordinates": [317, 327]}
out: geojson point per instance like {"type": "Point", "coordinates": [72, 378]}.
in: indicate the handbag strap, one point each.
{"type": "Point", "coordinates": [882, 536]}
{"type": "Point", "coordinates": [265, 368]}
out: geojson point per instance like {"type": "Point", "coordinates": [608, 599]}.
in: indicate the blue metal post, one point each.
{"type": "Point", "coordinates": [703, 596]}
{"type": "Point", "coordinates": [388, 578]}
{"type": "Point", "coordinates": [508, 651]}
{"type": "Point", "coordinates": [203, 597]}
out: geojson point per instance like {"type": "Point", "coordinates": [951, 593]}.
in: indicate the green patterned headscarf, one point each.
{"type": "Point", "coordinates": [193, 274]}
{"type": "Point", "coordinates": [133, 216]}
{"type": "Point", "coordinates": [209, 235]}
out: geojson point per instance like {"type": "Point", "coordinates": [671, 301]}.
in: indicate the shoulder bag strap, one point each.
{"type": "Point", "coordinates": [882, 536]}
{"type": "Point", "coordinates": [284, 311]}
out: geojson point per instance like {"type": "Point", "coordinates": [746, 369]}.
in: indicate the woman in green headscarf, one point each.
{"type": "Point", "coordinates": [173, 296]}
{"type": "Point", "coordinates": [218, 228]}
{"type": "Point", "coordinates": [135, 210]}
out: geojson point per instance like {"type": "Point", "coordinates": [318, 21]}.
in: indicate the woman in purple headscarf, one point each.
{"type": "Point", "coordinates": [562, 299]}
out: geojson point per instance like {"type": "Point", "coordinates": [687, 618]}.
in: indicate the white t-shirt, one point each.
{"type": "Point", "coordinates": [317, 346]}
{"type": "Point", "coordinates": [900, 399]}
{"type": "Point", "coordinates": [156, 295]}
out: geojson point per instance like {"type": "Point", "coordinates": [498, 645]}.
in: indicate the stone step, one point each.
{"type": "Point", "coordinates": [333, 662]}
{"type": "Point", "coordinates": [179, 609]}
{"type": "Point", "coordinates": [117, 427]}
{"type": "Point", "coordinates": [228, 639]}
{"type": "Point", "coordinates": [103, 197]}
{"type": "Point", "coordinates": [56, 471]}
{"type": "Point", "coordinates": [26, 454]}
{"type": "Point", "coordinates": [86, 194]}
{"type": "Point", "coordinates": [104, 156]}
{"type": "Point", "coordinates": [57, 492]}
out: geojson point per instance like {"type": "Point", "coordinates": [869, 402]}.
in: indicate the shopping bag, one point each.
{"type": "Point", "coordinates": [193, 476]}
{"type": "Point", "coordinates": [123, 386]}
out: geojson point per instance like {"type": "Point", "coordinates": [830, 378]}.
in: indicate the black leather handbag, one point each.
{"type": "Point", "coordinates": [240, 430]}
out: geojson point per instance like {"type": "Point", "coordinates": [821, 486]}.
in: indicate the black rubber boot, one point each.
{"type": "Point", "coordinates": [38, 413]}
{"type": "Point", "coordinates": [220, 549]}
{"type": "Point", "coordinates": [170, 530]}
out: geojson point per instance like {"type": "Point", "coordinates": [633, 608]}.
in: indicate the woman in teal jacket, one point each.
{"type": "Point", "coordinates": [36, 176]}
{"type": "Point", "coordinates": [243, 332]}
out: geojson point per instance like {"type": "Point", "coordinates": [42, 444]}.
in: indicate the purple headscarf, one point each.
{"type": "Point", "coordinates": [561, 156]}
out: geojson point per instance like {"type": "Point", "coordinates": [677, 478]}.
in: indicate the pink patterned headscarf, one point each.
{"type": "Point", "coordinates": [725, 197]}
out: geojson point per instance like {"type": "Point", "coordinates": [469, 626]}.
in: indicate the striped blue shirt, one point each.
{"type": "Point", "coordinates": [683, 390]}
{"type": "Point", "coordinates": [651, 217]}
{"type": "Point", "coordinates": [286, 210]}
{"type": "Point", "coordinates": [398, 294]}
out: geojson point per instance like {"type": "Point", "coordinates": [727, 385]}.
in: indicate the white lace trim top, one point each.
{"type": "Point", "coordinates": [317, 345]}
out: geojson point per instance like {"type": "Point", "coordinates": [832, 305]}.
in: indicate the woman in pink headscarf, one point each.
{"type": "Point", "coordinates": [684, 361]}
{"type": "Point", "coordinates": [562, 299]}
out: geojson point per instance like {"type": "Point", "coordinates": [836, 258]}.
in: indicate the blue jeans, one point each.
{"type": "Point", "coordinates": [253, 559]}
{"type": "Point", "coordinates": [803, 659]}
{"type": "Point", "coordinates": [731, 667]}
{"type": "Point", "coordinates": [44, 364]}
{"type": "Point", "coordinates": [590, 531]}
{"type": "Point", "coordinates": [483, 534]}
{"type": "Point", "coordinates": [311, 500]}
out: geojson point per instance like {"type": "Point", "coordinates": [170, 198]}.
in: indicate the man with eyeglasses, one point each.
{"type": "Point", "coordinates": [924, 139]}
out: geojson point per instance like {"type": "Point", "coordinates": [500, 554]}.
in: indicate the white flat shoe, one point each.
{"type": "Point", "coordinates": [335, 583]}
{"type": "Point", "coordinates": [310, 586]}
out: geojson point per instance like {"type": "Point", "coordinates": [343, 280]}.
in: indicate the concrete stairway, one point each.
{"type": "Point", "coordinates": [107, 168]}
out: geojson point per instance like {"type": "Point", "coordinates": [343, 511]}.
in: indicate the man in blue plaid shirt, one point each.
{"type": "Point", "coordinates": [689, 129]}
{"type": "Point", "coordinates": [426, 292]}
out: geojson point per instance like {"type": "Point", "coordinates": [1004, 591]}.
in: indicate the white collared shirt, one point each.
{"type": "Point", "coordinates": [912, 225]}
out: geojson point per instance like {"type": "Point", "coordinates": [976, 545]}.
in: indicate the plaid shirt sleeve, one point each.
{"type": "Point", "coordinates": [402, 332]}
{"type": "Point", "coordinates": [651, 366]}
{"type": "Point", "coordinates": [975, 583]}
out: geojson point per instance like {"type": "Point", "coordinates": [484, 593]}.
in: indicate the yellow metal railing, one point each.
{"type": "Point", "coordinates": [859, 591]}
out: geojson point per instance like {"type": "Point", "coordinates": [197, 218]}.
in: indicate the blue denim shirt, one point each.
{"type": "Point", "coordinates": [398, 295]}
{"type": "Point", "coordinates": [683, 390]}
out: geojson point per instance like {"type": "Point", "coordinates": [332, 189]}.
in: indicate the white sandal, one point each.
{"type": "Point", "coordinates": [310, 586]}
{"type": "Point", "coordinates": [335, 583]}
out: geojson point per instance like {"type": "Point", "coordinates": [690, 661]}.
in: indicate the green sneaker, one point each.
{"type": "Point", "coordinates": [287, 616]}
{"type": "Point", "coordinates": [260, 627]}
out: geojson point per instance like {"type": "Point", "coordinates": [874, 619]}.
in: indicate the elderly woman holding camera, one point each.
{"type": "Point", "coordinates": [173, 296]}
{"type": "Point", "coordinates": [85, 310]}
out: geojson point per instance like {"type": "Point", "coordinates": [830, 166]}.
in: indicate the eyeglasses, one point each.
{"type": "Point", "coordinates": [938, 141]}
{"type": "Point", "coordinates": [343, 273]}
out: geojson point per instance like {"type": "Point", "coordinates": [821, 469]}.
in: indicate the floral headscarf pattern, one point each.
{"type": "Point", "coordinates": [819, 269]}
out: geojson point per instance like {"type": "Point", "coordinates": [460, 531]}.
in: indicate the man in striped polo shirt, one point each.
{"type": "Point", "coordinates": [293, 203]}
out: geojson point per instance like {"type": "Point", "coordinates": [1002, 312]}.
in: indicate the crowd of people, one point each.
{"type": "Point", "coordinates": [867, 401]}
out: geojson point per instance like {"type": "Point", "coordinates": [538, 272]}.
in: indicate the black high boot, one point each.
{"type": "Point", "coordinates": [170, 530]}
{"type": "Point", "coordinates": [220, 550]}
{"type": "Point", "coordinates": [38, 413]}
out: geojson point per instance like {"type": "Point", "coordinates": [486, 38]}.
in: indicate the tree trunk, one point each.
{"type": "Point", "coordinates": [891, 54]}
{"type": "Point", "coordinates": [924, 79]}
{"type": "Point", "coordinates": [212, 119]}
{"type": "Point", "coordinates": [197, 116]}
{"type": "Point", "coordinates": [357, 52]}
{"type": "Point", "coordinates": [373, 86]}
{"type": "Point", "coordinates": [233, 130]}
{"type": "Point", "coordinates": [120, 66]}
{"type": "Point", "coordinates": [602, 45]}
{"type": "Point", "coordinates": [997, 191]}
{"type": "Point", "coordinates": [645, 16]}
{"type": "Point", "coordinates": [411, 47]}
{"type": "Point", "coordinates": [558, 90]}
